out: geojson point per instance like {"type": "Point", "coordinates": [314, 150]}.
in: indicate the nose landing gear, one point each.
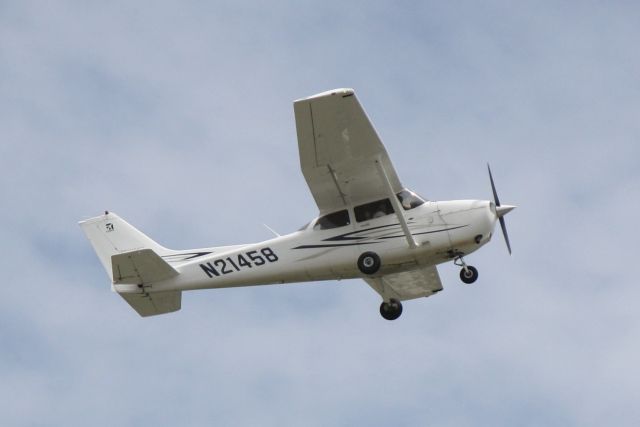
{"type": "Point", "coordinates": [468, 273]}
{"type": "Point", "coordinates": [391, 310]}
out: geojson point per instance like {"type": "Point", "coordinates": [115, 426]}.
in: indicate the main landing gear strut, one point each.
{"type": "Point", "coordinates": [369, 263]}
{"type": "Point", "coordinates": [468, 273]}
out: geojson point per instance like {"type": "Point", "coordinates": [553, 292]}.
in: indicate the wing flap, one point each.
{"type": "Point", "coordinates": [139, 267]}
{"type": "Point", "coordinates": [406, 285]}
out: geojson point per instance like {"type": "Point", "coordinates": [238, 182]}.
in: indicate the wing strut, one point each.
{"type": "Point", "coordinates": [396, 204]}
{"type": "Point", "coordinates": [335, 181]}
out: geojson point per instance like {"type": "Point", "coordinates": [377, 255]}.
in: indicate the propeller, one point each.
{"type": "Point", "coordinates": [501, 210]}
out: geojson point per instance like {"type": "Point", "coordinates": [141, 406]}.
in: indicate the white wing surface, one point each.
{"type": "Point", "coordinates": [421, 282]}
{"type": "Point", "coordinates": [338, 147]}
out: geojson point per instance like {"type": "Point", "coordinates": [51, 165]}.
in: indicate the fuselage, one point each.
{"type": "Point", "coordinates": [442, 230]}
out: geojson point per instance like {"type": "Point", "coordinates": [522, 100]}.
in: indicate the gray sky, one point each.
{"type": "Point", "coordinates": [178, 116]}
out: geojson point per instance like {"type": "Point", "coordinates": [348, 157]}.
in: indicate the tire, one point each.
{"type": "Point", "coordinates": [369, 263]}
{"type": "Point", "coordinates": [469, 275]}
{"type": "Point", "coordinates": [391, 310]}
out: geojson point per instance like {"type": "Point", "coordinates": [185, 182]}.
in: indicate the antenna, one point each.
{"type": "Point", "coordinates": [272, 230]}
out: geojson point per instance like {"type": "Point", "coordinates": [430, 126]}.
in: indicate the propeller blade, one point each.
{"type": "Point", "coordinates": [504, 233]}
{"type": "Point", "coordinates": [501, 211]}
{"type": "Point", "coordinates": [493, 187]}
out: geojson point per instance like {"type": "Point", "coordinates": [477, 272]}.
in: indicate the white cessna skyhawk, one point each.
{"type": "Point", "coordinates": [369, 226]}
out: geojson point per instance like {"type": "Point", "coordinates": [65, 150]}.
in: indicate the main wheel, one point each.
{"type": "Point", "coordinates": [369, 263]}
{"type": "Point", "coordinates": [469, 275]}
{"type": "Point", "coordinates": [391, 310]}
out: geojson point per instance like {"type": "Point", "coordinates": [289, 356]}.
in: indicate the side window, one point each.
{"type": "Point", "coordinates": [373, 210]}
{"type": "Point", "coordinates": [333, 220]}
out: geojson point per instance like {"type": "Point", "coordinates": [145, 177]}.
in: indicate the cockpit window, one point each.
{"type": "Point", "coordinates": [409, 200]}
{"type": "Point", "coordinates": [373, 210]}
{"type": "Point", "coordinates": [332, 220]}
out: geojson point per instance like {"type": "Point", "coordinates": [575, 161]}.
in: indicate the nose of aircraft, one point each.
{"type": "Point", "coordinates": [502, 210]}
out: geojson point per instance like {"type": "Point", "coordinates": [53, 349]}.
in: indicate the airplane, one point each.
{"type": "Point", "coordinates": [369, 226]}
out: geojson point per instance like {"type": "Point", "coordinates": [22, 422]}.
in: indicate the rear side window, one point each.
{"type": "Point", "coordinates": [333, 220]}
{"type": "Point", "coordinates": [373, 210]}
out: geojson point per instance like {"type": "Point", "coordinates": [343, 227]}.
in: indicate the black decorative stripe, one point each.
{"type": "Point", "coordinates": [187, 256]}
{"type": "Point", "coordinates": [347, 237]}
{"type": "Point", "coordinates": [334, 246]}
{"type": "Point", "coordinates": [424, 232]}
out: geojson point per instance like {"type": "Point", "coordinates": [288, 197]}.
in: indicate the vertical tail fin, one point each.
{"type": "Point", "coordinates": [111, 235]}
{"type": "Point", "coordinates": [132, 260]}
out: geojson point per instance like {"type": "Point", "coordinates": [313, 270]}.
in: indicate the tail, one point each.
{"type": "Point", "coordinates": [134, 262]}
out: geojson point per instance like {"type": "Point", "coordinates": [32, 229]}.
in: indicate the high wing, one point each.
{"type": "Point", "coordinates": [338, 149]}
{"type": "Point", "coordinates": [421, 282]}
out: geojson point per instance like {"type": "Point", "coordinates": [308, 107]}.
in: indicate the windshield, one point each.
{"type": "Point", "coordinates": [409, 200]}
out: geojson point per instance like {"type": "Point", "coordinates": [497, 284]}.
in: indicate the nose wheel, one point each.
{"type": "Point", "coordinates": [391, 310]}
{"type": "Point", "coordinates": [468, 273]}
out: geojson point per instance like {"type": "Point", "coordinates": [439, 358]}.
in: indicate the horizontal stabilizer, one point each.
{"type": "Point", "coordinates": [154, 303]}
{"type": "Point", "coordinates": [140, 267]}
